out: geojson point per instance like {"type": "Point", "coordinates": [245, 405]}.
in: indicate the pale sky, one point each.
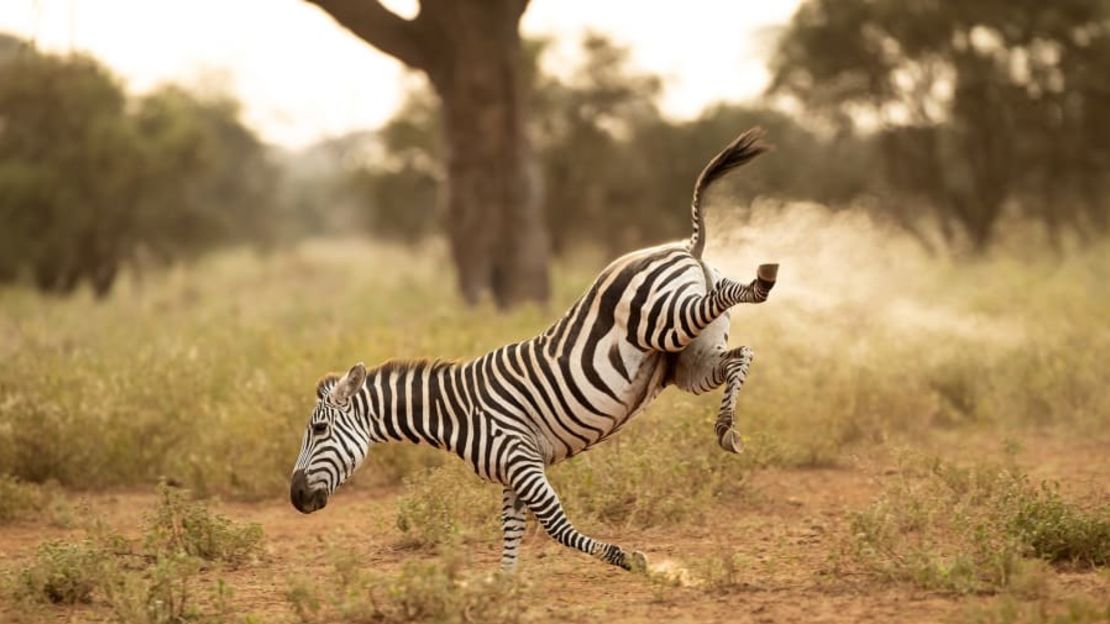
{"type": "Point", "coordinates": [301, 77]}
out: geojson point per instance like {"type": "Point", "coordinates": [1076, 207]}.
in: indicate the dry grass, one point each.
{"type": "Point", "coordinates": [204, 375]}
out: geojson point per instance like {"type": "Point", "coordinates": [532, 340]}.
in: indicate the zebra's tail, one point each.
{"type": "Point", "coordinates": [742, 149]}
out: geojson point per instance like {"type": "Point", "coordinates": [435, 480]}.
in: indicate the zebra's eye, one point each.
{"type": "Point", "coordinates": [320, 428]}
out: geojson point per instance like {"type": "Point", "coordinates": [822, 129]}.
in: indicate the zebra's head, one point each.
{"type": "Point", "coordinates": [335, 441]}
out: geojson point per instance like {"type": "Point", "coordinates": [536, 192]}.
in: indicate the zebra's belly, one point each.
{"type": "Point", "coordinates": [647, 375]}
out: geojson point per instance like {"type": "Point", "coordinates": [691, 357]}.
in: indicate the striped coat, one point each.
{"type": "Point", "coordinates": [654, 317]}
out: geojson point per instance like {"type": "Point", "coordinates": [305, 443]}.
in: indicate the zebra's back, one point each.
{"type": "Point", "coordinates": [580, 381]}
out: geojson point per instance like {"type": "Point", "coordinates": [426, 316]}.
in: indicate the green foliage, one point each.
{"type": "Point", "coordinates": [616, 173]}
{"type": "Point", "coordinates": [983, 107]}
{"type": "Point", "coordinates": [187, 528]}
{"type": "Point", "coordinates": [432, 591]}
{"type": "Point", "coordinates": [402, 189]}
{"type": "Point", "coordinates": [157, 595]}
{"type": "Point", "coordinates": [63, 573]}
{"type": "Point", "coordinates": [977, 529]}
{"type": "Point", "coordinates": [90, 182]}
{"type": "Point", "coordinates": [153, 580]}
{"type": "Point", "coordinates": [1056, 530]}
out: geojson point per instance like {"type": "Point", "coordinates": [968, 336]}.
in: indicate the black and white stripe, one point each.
{"type": "Point", "coordinates": [654, 317]}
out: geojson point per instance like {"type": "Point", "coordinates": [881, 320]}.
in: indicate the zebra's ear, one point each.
{"type": "Point", "coordinates": [350, 383]}
{"type": "Point", "coordinates": [326, 382]}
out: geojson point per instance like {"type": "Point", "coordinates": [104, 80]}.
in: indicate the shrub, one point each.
{"type": "Point", "coordinates": [432, 591]}
{"type": "Point", "coordinates": [155, 595]}
{"type": "Point", "coordinates": [179, 378]}
{"type": "Point", "coordinates": [1057, 530]}
{"type": "Point", "coordinates": [1075, 610]}
{"type": "Point", "coordinates": [150, 581]}
{"type": "Point", "coordinates": [975, 529]}
{"type": "Point", "coordinates": [722, 573]}
{"type": "Point", "coordinates": [182, 527]}
{"type": "Point", "coordinates": [22, 501]}
{"type": "Point", "coordinates": [63, 573]}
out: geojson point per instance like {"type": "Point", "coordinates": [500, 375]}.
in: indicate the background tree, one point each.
{"type": "Point", "coordinates": [89, 182]}
{"type": "Point", "coordinates": [68, 159]}
{"type": "Point", "coordinates": [471, 52]}
{"type": "Point", "coordinates": [618, 174]}
{"type": "Point", "coordinates": [206, 178]}
{"type": "Point", "coordinates": [402, 186]}
{"type": "Point", "coordinates": [980, 105]}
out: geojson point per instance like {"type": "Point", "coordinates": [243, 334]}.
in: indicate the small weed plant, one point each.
{"type": "Point", "coordinates": [983, 528]}
{"type": "Point", "coordinates": [151, 580]}
{"type": "Point", "coordinates": [423, 591]}
{"type": "Point", "coordinates": [182, 527]}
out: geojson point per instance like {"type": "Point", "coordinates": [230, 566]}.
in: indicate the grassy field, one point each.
{"type": "Point", "coordinates": [926, 440]}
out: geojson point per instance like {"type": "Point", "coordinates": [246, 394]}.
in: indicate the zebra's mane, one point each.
{"type": "Point", "coordinates": [328, 381]}
{"type": "Point", "coordinates": [405, 365]}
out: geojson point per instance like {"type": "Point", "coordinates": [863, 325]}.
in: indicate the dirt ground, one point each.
{"type": "Point", "coordinates": [784, 530]}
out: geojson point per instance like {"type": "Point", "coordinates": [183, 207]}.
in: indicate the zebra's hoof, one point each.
{"type": "Point", "coordinates": [768, 272]}
{"type": "Point", "coordinates": [637, 562]}
{"type": "Point", "coordinates": [731, 442]}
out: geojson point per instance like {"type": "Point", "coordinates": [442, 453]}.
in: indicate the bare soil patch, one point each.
{"type": "Point", "coordinates": [784, 532]}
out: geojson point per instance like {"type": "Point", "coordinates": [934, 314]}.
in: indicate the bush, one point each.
{"type": "Point", "coordinates": [1056, 530]}
{"type": "Point", "coordinates": [28, 501]}
{"type": "Point", "coordinates": [181, 527]}
{"type": "Point", "coordinates": [63, 573]}
{"type": "Point", "coordinates": [434, 591]}
{"type": "Point", "coordinates": [165, 593]}
{"type": "Point", "coordinates": [148, 581]}
{"type": "Point", "coordinates": [977, 529]}
{"type": "Point", "coordinates": [1076, 610]}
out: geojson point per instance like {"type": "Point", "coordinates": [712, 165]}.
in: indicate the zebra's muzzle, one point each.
{"type": "Point", "coordinates": [303, 498]}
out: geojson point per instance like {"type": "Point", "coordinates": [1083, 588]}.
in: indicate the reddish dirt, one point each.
{"type": "Point", "coordinates": [784, 530]}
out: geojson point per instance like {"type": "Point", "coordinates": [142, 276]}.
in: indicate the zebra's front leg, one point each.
{"type": "Point", "coordinates": [734, 368]}
{"type": "Point", "coordinates": [530, 483]}
{"type": "Point", "coordinates": [513, 524]}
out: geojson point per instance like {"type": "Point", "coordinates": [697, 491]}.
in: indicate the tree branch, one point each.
{"type": "Point", "coordinates": [381, 28]}
{"type": "Point", "coordinates": [521, 7]}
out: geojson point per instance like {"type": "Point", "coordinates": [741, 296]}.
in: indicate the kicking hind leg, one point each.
{"type": "Point", "coordinates": [705, 366]}
{"type": "Point", "coordinates": [734, 369]}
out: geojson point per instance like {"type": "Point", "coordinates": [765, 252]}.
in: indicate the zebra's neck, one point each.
{"type": "Point", "coordinates": [418, 402]}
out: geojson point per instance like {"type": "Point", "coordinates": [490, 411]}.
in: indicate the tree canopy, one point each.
{"type": "Point", "coordinates": [92, 179]}
{"type": "Point", "coordinates": [980, 106]}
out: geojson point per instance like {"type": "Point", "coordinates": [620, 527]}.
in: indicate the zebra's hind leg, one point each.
{"type": "Point", "coordinates": [513, 524]}
{"type": "Point", "coordinates": [734, 368]}
{"type": "Point", "coordinates": [530, 483]}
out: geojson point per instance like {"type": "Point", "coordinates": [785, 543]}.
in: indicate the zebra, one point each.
{"type": "Point", "coordinates": [654, 317]}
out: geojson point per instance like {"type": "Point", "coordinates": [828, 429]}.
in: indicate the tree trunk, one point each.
{"type": "Point", "coordinates": [495, 224]}
{"type": "Point", "coordinates": [471, 52]}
